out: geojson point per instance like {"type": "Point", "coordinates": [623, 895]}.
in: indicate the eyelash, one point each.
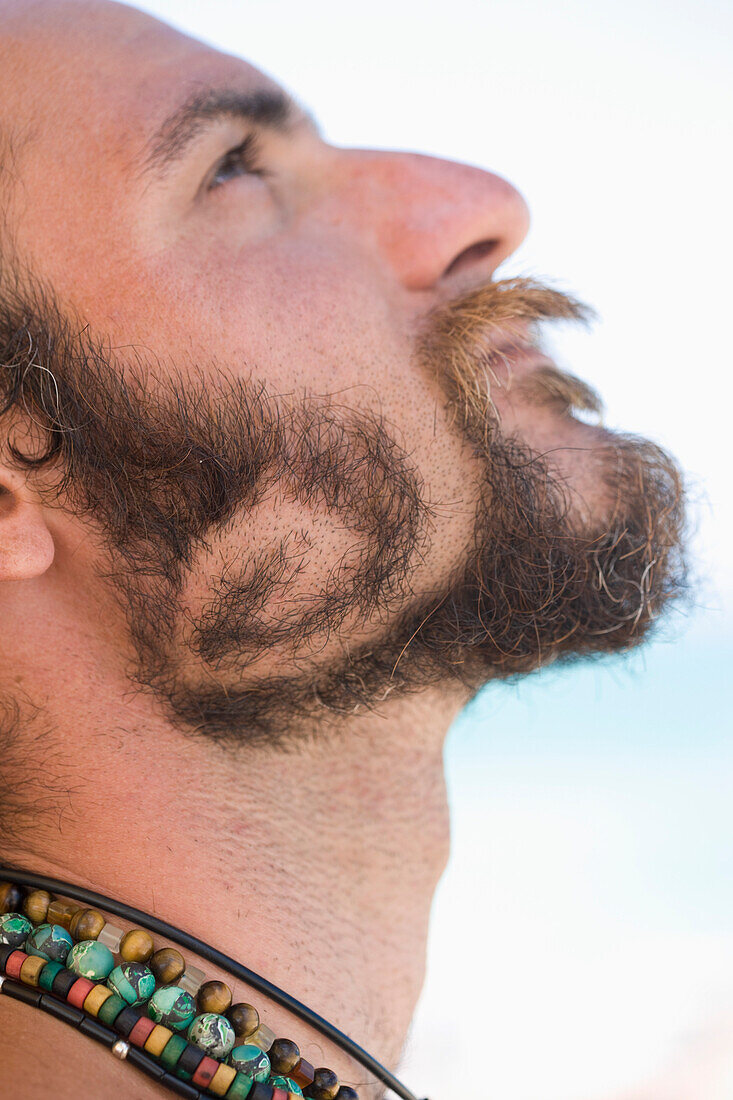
{"type": "Point", "coordinates": [246, 156]}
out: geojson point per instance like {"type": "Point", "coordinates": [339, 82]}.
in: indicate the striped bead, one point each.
{"type": "Point", "coordinates": [96, 998]}
{"type": "Point", "coordinates": [222, 1079]}
{"type": "Point", "coordinates": [157, 1039]}
{"type": "Point", "coordinates": [30, 971]}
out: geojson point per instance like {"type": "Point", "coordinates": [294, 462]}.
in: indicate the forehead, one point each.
{"type": "Point", "coordinates": [84, 78]}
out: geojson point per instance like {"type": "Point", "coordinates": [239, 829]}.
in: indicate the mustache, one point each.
{"type": "Point", "coordinates": [465, 339]}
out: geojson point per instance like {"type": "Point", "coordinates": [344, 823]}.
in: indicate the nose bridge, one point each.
{"type": "Point", "coordinates": [421, 213]}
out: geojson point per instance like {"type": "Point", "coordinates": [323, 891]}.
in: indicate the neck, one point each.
{"type": "Point", "coordinates": [315, 867]}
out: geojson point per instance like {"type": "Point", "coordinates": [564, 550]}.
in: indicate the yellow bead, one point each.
{"type": "Point", "coordinates": [157, 1039]}
{"type": "Point", "coordinates": [136, 946]}
{"type": "Point", "coordinates": [222, 1079]}
{"type": "Point", "coordinates": [31, 969]}
{"type": "Point", "coordinates": [95, 998]}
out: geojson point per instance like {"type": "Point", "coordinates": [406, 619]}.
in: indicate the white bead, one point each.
{"type": "Point", "coordinates": [192, 980]}
{"type": "Point", "coordinates": [111, 937]}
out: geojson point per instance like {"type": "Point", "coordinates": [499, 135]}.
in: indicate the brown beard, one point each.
{"type": "Point", "coordinates": [163, 468]}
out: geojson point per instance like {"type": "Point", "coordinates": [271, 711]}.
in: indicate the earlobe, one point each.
{"type": "Point", "coordinates": [26, 544]}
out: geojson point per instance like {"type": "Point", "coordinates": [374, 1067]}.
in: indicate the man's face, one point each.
{"type": "Point", "coordinates": [304, 474]}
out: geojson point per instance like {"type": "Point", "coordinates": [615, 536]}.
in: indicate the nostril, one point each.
{"type": "Point", "coordinates": [478, 251]}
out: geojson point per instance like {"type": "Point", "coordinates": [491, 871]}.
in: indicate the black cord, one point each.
{"type": "Point", "coordinates": [91, 1027]}
{"type": "Point", "coordinates": [218, 958]}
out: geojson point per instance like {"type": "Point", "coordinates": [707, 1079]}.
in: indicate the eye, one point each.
{"type": "Point", "coordinates": [242, 160]}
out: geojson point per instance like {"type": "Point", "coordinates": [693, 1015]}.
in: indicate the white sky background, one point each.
{"type": "Point", "coordinates": [615, 120]}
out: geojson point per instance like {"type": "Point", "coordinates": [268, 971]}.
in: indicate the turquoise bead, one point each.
{"type": "Point", "coordinates": [50, 941]}
{"type": "Point", "coordinates": [287, 1084]}
{"type": "Point", "coordinates": [14, 929]}
{"type": "Point", "coordinates": [212, 1033]}
{"type": "Point", "coordinates": [249, 1059]}
{"type": "Point", "coordinates": [90, 959]}
{"type": "Point", "coordinates": [172, 1007]}
{"type": "Point", "coordinates": [133, 981]}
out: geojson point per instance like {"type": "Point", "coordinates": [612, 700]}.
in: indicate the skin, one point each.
{"type": "Point", "coordinates": [315, 867]}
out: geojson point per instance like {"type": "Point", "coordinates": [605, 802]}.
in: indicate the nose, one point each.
{"type": "Point", "coordinates": [429, 218]}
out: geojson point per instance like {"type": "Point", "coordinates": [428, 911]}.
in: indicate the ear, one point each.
{"type": "Point", "coordinates": [26, 544]}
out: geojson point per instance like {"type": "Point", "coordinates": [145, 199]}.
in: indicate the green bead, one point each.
{"type": "Point", "coordinates": [287, 1084]}
{"type": "Point", "coordinates": [14, 929]}
{"type": "Point", "coordinates": [240, 1087]}
{"type": "Point", "coordinates": [172, 1051]}
{"type": "Point", "coordinates": [173, 1007]}
{"type": "Point", "coordinates": [213, 1033]}
{"type": "Point", "coordinates": [251, 1060]}
{"type": "Point", "coordinates": [50, 941]}
{"type": "Point", "coordinates": [133, 981]}
{"type": "Point", "coordinates": [90, 959]}
{"type": "Point", "coordinates": [47, 975]}
{"type": "Point", "coordinates": [111, 1009]}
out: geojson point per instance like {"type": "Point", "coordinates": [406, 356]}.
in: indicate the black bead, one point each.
{"type": "Point", "coordinates": [20, 992]}
{"type": "Point", "coordinates": [347, 1093]}
{"type": "Point", "coordinates": [97, 1031]}
{"type": "Point", "coordinates": [260, 1091]}
{"type": "Point", "coordinates": [182, 1088]}
{"type": "Point", "coordinates": [125, 1022]}
{"type": "Point", "coordinates": [63, 982]}
{"type": "Point", "coordinates": [145, 1063]}
{"type": "Point", "coordinates": [190, 1059]}
{"type": "Point", "coordinates": [69, 1013]}
{"type": "Point", "coordinates": [5, 952]}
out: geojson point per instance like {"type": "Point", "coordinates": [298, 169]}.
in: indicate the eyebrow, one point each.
{"type": "Point", "coordinates": [268, 108]}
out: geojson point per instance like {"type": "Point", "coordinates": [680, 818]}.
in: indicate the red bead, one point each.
{"type": "Point", "coordinates": [13, 964]}
{"type": "Point", "coordinates": [79, 992]}
{"type": "Point", "coordinates": [141, 1031]}
{"type": "Point", "coordinates": [205, 1071]}
{"type": "Point", "coordinates": [279, 1094]}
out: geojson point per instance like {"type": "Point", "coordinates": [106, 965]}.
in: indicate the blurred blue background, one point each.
{"type": "Point", "coordinates": [582, 939]}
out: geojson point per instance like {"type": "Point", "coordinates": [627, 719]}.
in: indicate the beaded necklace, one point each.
{"type": "Point", "coordinates": [115, 987]}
